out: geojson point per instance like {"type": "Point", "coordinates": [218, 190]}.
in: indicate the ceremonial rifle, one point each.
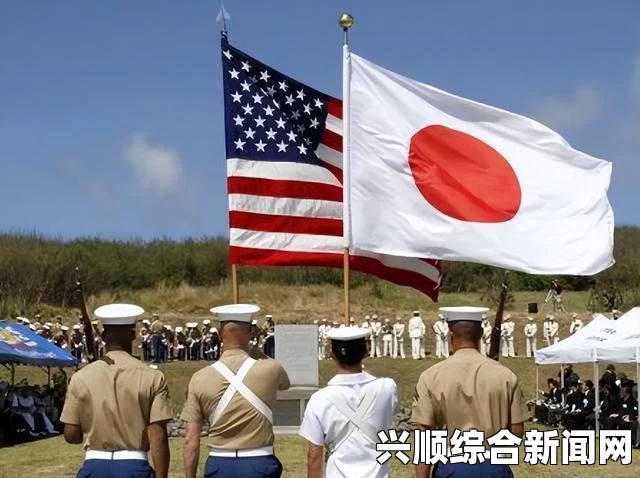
{"type": "Point", "coordinates": [86, 321]}
{"type": "Point", "coordinates": [494, 350]}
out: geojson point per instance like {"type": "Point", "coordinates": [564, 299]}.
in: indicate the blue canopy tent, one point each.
{"type": "Point", "coordinates": [21, 345]}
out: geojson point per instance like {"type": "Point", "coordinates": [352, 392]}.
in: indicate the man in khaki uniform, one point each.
{"type": "Point", "coordinates": [235, 395]}
{"type": "Point", "coordinates": [117, 407]}
{"type": "Point", "coordinates": [467, 391]}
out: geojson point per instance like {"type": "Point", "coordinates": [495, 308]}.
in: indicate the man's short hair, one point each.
{"type": "Point", "coordinates": [349, 352]}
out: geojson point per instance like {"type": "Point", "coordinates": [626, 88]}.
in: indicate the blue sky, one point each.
{"type": "Point", "coordinates": [111, 120]}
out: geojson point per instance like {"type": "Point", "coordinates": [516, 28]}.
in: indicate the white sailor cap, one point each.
{"type": "Point", "coordinates": [315, 322]}
{"type": "Point", "coordinates": [348, 333]}
{"type": "Point", "coordinates": [375, 316]}
{"type": "Point", "coordinates": [178, 329]}
{"type": "Point", "coordinates": [386, 321]}
{"type": "Point", "coordinates": [236, 312]}
{"type": "Point", "coordinates": [118, 314]}
{"type": "Point", "coordinates": [466, 313]}
{"type": "Point", "coordinates": [168, 327]}
{"type": "Point", "coordinates": [416, 313]}
{"type": "Point", "coordinates": [530, 318]}
{"type": "Point", "coordinates": [255, 322]}
{"type": "Point", "coordinates": [366, 317]}
{"type": "Point", "coordinates": [25, 320]}
{"type": "Point", "coordinates": [212, 330]}
{"type": "Point", "coordinates": [206, 322]}
{"type": "Point", "coordinates": [46, 327]}
{"type": "Point", "coordinates": [146, 322]}
{"type": "Point", "coordinates": [191, 325]}
{"type": "Point", "coordinates": [64, 328]}
{"type": "Point", "coordinates": [76, 327]}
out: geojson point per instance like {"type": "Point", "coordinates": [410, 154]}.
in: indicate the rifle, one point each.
{"type": "Point", "coordinates": [86, 321]}
{"type": "Point", "coordinates": [496, 333]}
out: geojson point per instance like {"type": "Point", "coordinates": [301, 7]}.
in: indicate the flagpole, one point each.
{"type": "Point", "coordinates": [346, 22]}
{"type": "Point", "coordinates": [234, 283]}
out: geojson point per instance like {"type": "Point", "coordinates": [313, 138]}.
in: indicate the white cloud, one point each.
{"type": "Point", "coordinates": [570, 112]}
{"type": "Point", "coordinates": [158, 169]}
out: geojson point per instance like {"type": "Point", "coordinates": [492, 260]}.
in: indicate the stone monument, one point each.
{"type": "Point", "coordinates": [296, 348]}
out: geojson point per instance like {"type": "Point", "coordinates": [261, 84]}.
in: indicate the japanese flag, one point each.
{"type": "Point", "coordinates": [434, 175]}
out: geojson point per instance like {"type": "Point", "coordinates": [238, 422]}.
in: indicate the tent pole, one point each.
{"type": "Point", "coordinates": [596, 381]}
{"type": "Point", "coordinates": [48, 376]}
{"type": "Point", "coordinates": [13, 375]}
{"type": "Point", "coordinates": [638, 385]}
{"type": "Point", "coordinates": [562, 383]}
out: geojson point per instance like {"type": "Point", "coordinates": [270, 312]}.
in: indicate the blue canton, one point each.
{"type": "Point", "coordinates": [269, 116]}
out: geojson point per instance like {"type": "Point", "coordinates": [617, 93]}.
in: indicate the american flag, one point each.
{"type": "Point", "coordinates": [284, 177]}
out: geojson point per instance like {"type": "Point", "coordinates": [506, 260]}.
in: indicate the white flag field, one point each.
{"type": "Point", "coordinates": [439, 176]}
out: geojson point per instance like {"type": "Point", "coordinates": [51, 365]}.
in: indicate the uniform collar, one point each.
{"type": "Point", "coordinates": [466, 351]}
{"type": "Point", "coordinates": [234, 353]}
{"type": "Point", "coordinates": [351, 379]}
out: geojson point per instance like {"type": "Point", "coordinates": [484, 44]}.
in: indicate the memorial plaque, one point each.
{"type": "Point", "coordinates": [297, 351]}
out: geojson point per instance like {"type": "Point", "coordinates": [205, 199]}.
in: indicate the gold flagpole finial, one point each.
{"type": "Point", "coordinates": [346, 21]}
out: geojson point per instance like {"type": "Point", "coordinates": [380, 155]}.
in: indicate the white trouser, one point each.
{"type": "Point", "coordinates": [398, 347]}
{"type": "Point", "coordinates": [507, 347]}
{"type": "Point", "coordinates": [555, 339]}
{"type": "Point", "coordinates": [504, 347]}
{"type": "Point", "coordinates": [531, 346]}
{"type": "Point", "coordinates": [548, 340]}
{"type": "Point", "coordinates": [415, 348]}
{"type": "Point", "coordinates": [485, 345]}
{"type": "Point", "coordinates": [387, 346]}
{"type": "Point", "coordinates": [442, 347]}
{"type": "Point", "coordinates": [375, 347]}
{"type": "Point", "coordinates": [422, 351]}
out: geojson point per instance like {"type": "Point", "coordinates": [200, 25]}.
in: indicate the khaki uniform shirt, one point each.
{"type": "Point", "coordinates": [241, 426]}
{"type": "Point", "coordinates": [157, 326]}
{"type": "Point", "coordinates": [468, 390]}
{"type": "Point", "coordinates": [114, 400]}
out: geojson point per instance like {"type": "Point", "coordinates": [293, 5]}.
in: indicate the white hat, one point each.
{"type": "Point", "coordinates": [46, 327]}
{"type": "Point", "coordinates": [386, 321]}
{"type": "Point", "coordinates": [254, 322]}
{"type": "Point", "coordinates": [212, 330]}
{"type": "Point", "coordinates": [64, 328]}
{"type": "Point", "coordinates": [375, 316]}
{"type": "Point", "coordinates": [236, 312]}
{"type": "Point", "coordinates": [26, 321]}
{"type": "Point", "coordinates": [76, 327]}
{"type": "Point", "coordinates": [49, 324]}
{"type": "Point", "coordinates": [146, 322]}
{"type": "Point", "coordinates": [416, 313]}
{"type": "Point", "coordinates": [366, 317]}
{"type": "Point", "coordinates": [348, 333]}
{"type": "Point", "coordinates": [530, 318]}
{"type": "Point", "coordinates": [191, 325]}
{"type": "Point", "coordinates": [168, 327]}
{"type": "Point", "coordinates": [268, 317]}
{"type": "Point", "coordinates": [315, 322]}
{"type": "Point", "coordinates": [33, 327]}
{"type": "Point", "coordinates": [440, 316]}
{"type": "Point", "coordinates": [178, 329]}
{"type": "Point", "coordinates": [473, 314]}
{"type": "Point", "coordinates": [574, 315]}
{"type": "Point", "coordinates": [206, 322]}
{"type": "Point", "coordinates": [118, 314]}
{"type": "Point", "coordinates": [484, 316]}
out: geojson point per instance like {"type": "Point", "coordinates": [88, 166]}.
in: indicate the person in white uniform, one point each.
{"type": "Point", "coordinates": [387, 339]}
{"type": "Point", "coordinates": [546, 330]}
{"type": "Point", "coordinates": [416, 328]}
{"type": "Point", "coordinates": [576, 324]}
{"type": "Point", "coordinates": [441, 329]}
{"type": "Point", "coordinates": [376, 329]}
{"type": "Point", "coordinates": [398, 338]}
{"type": "Point", "coordinates": [322, 335]}
{"type": "Point", "coordinates": [346, 415]}
{"type": "Point", "coordinates": [530, 334]}
{"type": "Point", "coordinates": [508, 328]}
{"type": "Point", "coordinates": [485, 342]}
{"type": "Point", "coordinates": [554, 328]}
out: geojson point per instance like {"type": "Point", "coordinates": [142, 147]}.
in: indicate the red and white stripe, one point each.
{"type": "Point", "coordinates": [290, 214]}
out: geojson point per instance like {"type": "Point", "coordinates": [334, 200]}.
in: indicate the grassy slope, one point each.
{"type": "Point", "coordinates": [52, 458]}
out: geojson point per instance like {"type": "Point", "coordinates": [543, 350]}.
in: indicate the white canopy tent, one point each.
{"type": "Point", "coordinates": [601, 340]}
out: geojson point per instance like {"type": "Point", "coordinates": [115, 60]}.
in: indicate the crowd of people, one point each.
{"type": "Point", "coordinates": [574, 406]}
{"type": "Point", "coordinates": [29, 412]}
{"type": "Point", "coordinates": [388, 339]}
